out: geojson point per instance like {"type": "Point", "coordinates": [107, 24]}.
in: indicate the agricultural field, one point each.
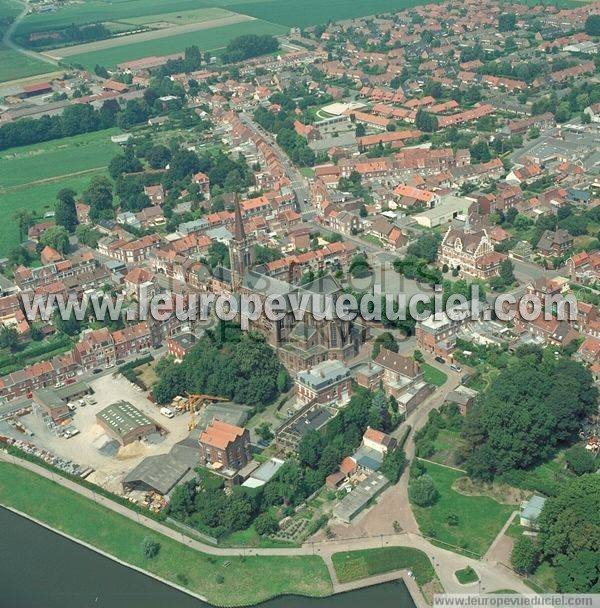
{"type": "Point", "coordinates": [199, 15]}
{"type": "Point", "coordinates": [14, 65]}
{"type": "Point", "coordinates": [206, 40]}
{"type": "Point", "coordinates": [31, 176]}
{"type": "Point", "coordinates": [52, 159]}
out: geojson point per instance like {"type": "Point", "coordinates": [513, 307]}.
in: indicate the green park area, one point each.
{"type": "Point", "coordinates": [466, 576]}
{"type": "Point", "coordinates": [354, 565]}
{"type": "Point", "coordinates": [222, 580]}
{"type": "Point", "coordinates": [468, 523]}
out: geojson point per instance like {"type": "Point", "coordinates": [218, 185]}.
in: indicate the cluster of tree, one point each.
{"type": "Point", "coordinates": [413, 267]}
{"type": "Point", "coordinates": [592, 25]}
{"type": "Point", "coordinates": [228, 363]}
{"type": "Point", "coordinates": [569, 535]}
{"type": "Point", "coordinates": [578, 98]}
{"type": "Point", "coordinates": [282, 124]}
{"type": "Point", "coordinates": [248, 46]}
{"type": "Point", "coordinates": [426, 121]}
{"type": "Point", "coordinates": [190, 62]}
{"type": "Point", "coordinates": [507, 22]}
{"type": "Point", "coordinates": [73, 34]}
{"type": "Point", "coordinates": [530, 408]}
{"type": "Point", "coordinates": [82, 118]}
{"type": "Point", "coordinates": [353, 183]}
{"type": "Point", "coordinates": [506, 278]}
{"type": "Point", "coordinates": [426, 247]}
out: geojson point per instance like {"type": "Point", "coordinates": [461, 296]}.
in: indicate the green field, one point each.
{"type": "Point", "coordinates": [433, 375]}
{"type": "Point", "coordinates": [354, 565]}
{"type": "Point", "coordinates": [92, 11]}
{"type": "Point", "coordinates": [51, 159]}
{"type": "Point", "coordinates": [206, 40]}
{"type": "Point", "coordinates": [466, 576]}
{"type": "Point", "coordinates": [31, 176]}
{"type": "Point", "coordinates": [480, 518]}
{"type": "Point", "coordinates": [231, 581]}
{"type": "Point", "coordinates": [14, 65]}
{"type": "Point", "coordinates": [199, 15]}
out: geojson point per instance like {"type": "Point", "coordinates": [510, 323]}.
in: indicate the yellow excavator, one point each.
{"type": "Point", "coordinates": [195, 403]}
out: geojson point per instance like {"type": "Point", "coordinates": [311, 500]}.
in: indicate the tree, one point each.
{"type": "Point", "coordinates": [150, 547]}
{"type": "Point", "coordinates": [65, 213]}
{"type": "Point", "coordinates": [524, 556]}
{"type": "Point", "coordinates": [393, 464]}
{"type": "Point", "coordinates": [263, 430]}
{"type": "Point", "coordinates": [124, 163]}
{"type": "Point", "coordinates": [425, 121]}
{"type": "Point", "coordinates": [507, 22]}
{"type": "Point", "coordinates": [570, 534]}
{"type": "Point", "coordinates": [56, 237]}
{"type": "Point", "coordinates": [359, 267]}
{"type": "Point", "coordinates": [480, 152]}
{"type": "Point", "coordinates": [9, 338]}
{"type": "Point", "coordinates": [184, 163]}
{"type": "Point", "coordinates": [422, 491]}
{"type": "Point", "coordinates": [158, 157]}
{"type": "Point", "coordinates": [265, 524]}
{"type": "Point", "coordinates": [579, 460]}
{"type": "Point", "coordinates": [507, 272]}
{"type": "Point", "coordinates": [99, 196]}
{"type": "Point", "coordinates": [592, 25]}
{"type": "Point", "coordinates": [418, 356]}
{"type": "Point", "coordinates": [24, 219]}
{"type": "Point", "coordinates": [87, 235]}
{"type": "Point", "coordinates": [384, 340]}
{"type": "Point", "coordinates": [69, 326]}
{"type": "Point", "coordinates": [249, 45]}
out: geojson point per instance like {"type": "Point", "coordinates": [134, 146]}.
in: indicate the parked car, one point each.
{"type": "Point", "coordinates": [456, 368]}
{"type": "Point", "coordinates": [440, 359]}
{"type": "Point", "coordinates": [165, 411]}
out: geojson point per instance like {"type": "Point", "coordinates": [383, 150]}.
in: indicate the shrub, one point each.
{"type": "Point", "coordinates": [579, 460]}
{"type": "Point", "coordinates": [150, 547]}
{"type": "Point", "coordinates": [422, 491]}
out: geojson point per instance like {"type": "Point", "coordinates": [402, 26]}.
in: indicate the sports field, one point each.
{"type": "Point", "coordinates": [31, 176]}
{"type": "Point", "coordinates": [206, 40]}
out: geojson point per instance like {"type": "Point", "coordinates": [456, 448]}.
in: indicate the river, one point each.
{"type": "Point", "coordinates": [41, 569]}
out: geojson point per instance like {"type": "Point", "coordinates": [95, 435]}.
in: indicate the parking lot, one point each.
{"type": "Point", "coordinates": [92, 446]}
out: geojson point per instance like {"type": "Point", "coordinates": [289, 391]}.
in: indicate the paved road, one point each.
{"type": "Point", "coordinates": [8, 41]}
{"type": "Point", "coordinates": [299, 182]}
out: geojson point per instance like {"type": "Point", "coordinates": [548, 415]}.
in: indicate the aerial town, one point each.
{"type": "Point", "coordinates": [449, 152]}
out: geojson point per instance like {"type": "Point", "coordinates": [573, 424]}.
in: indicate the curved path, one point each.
{"type": "Point", "coordinates": [9, 42]}
{"type": "Point", "coordinates": [493, 576]}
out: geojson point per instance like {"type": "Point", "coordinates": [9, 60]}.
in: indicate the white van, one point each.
{"type": "Point", "coordinates": [165, 411]}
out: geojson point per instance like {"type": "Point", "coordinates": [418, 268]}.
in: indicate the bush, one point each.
{"type": "Point", "coordinates": [422, 491]}
{"type": "Point", "coordinates": [265, 524]}
{"type": "Point", "coordinates": [150, 547]}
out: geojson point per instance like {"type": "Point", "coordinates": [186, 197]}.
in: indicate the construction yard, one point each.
{"type": "Point", "coordinates": [94, 447]}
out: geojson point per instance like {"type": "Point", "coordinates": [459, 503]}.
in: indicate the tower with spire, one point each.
{"type": "Point", "coordinates": [240, 250]}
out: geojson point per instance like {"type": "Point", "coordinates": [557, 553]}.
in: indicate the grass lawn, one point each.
{"type": "Point", "coordinates": [354, 565]}
{"type": "Point", "coordinates": [466, 576]}
{"type": "Point", "coordinates": [206, 40]}
{"type": "Point", "coordinates": [433, 375]}
{"type": "Point", "coordinates": [547, 478]}
{"type": "Point", "coordinates": [58, 157]}
{"type": "Point", "coordinates": [480, 518]}
{"type": "Point", "coordinates": [243, 579]}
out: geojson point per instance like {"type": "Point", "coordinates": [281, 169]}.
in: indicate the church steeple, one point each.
{"type": "Point", "coordinates": [240, 251]}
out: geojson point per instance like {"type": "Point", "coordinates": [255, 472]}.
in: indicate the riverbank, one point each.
{"type": "Point", "coordinates": [221, 580]}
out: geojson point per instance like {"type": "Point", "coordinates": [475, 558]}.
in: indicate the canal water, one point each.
{"type": "Point", "coordinates": [41, 569]}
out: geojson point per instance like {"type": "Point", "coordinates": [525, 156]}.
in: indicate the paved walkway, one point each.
{"type": "Point", "coordinates": [493, 576]}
